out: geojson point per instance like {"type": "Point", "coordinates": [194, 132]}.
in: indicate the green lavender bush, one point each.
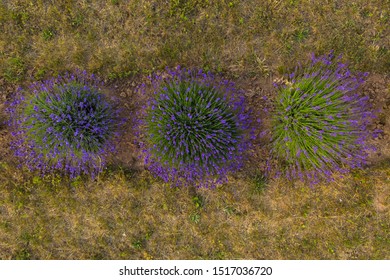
{"type": "Point", "coordinates": [320, 121]}
{"type": "Point", "coordinates": [195, 128]}
{"type": "Point", "coordinates": [64, 124]}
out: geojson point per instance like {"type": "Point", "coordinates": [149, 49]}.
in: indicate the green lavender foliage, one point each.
{"type": "Point", "coordinates": [65, 124]}
{"type": "Point", "coordinates": [196, 128]}
{"type": "Point", "coordinates": [73, 110]}
{"type": "Point", "coordinates": [191, 113]}
{"type": "Point", "coordinates": [320, 121]}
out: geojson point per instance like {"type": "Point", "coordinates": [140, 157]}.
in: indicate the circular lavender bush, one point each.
{"type": "Point", "coordinates": [195, 128]}
{"type": "Point", "coordinates": [320, 121]}
{"type": "Point", "coordinates": [64, 124]}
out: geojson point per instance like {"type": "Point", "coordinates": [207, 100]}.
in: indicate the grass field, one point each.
{"type": "Point", "coordinates": [126, 213]}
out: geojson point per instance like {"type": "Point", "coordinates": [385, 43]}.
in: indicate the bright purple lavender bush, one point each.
{"type": "Point", "coordinates": [320, 121]}
{"type": "Point", "coordinates": [195, 128]}
{"type": "Point", "coordinates": [64, 124]}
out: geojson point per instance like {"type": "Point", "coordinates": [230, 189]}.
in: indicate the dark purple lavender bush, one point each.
{"type": "Point", "coordinates": [64, 124]}
{"type": "Point", "coordinates": [320, 122]}
{"type": "Point", "coordinates": [195, 128]}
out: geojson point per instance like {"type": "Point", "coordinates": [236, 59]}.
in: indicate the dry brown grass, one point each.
{"type": "Point", "coordinates": [130, 215]}
{"type": "Point", "coordinates": [119, 38]}
{"type": "Point", "coordinates": [126, 213]}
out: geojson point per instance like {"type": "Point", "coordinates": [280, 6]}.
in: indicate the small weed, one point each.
{"type": "Point", "coordinates": [198, 201]}
{"type": "Point", "coordinates": [26, 237]}
{"type": "Point", "coordinates": [148, 235]}
{"type": "Point", "coordinates": [37, 180]}
{"type": "Point", "coordinates": [137, 244]}
{"type": "Point", "coordinates": [77, 20]}
{"type": "Point", "coordinates": [48, 34]}
{"type": "Point", "coordinates": [230, 210]}
{"type": "Point", "coordinates": [220, 255]}
{"type": "Point", "coordinates": [23, 254]}
{"type": "Point", "coordinates": [260, 183]}
{"type": "Point", "coordinates": [76, 182]}
{"type": "Point", "coordinates": [40, 74]}
{"type": "Point", "coordinates": [165, 206]}
{"type": "Point", "coordinates": [123, 74]}
{"type": "Point", "coordinates": [301, 34]}
{"type": "Point", "coordinates": [195, 217]}
{"type": "Point", "coordinates": [305, 210]}
{"type": "Point", "coordinates": [262, 66]}
{"type": "Point", "coordinates": [20, 18]}
{"type": "Point", "coordinates": [14, 69]}
{"type": "Point", "coordinates": [6, 225]}
{"type": "Point", "coordinates": [129, 173]}
{"type": "Point", "coordinates": [331, 250]}
{"type": "Point", "coordinates": [55, 179]}
{"type": "Point", "coordinates": [4, 165]}
{"type": "Point", "coordinates": [114, 169]}
{"type": "Point", "coordinates": [183, 9]}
